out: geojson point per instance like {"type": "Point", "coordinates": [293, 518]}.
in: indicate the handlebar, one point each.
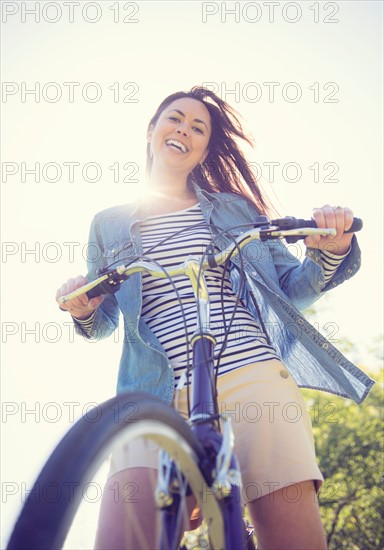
{"type": "Point", "coordinates": [289, 228]}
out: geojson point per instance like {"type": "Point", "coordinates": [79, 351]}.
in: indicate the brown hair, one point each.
{"type": "Point", "coordinates": [225, 167]}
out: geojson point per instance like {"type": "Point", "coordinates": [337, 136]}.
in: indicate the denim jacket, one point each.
{"type": "Point", "coordinates": [280, 284]}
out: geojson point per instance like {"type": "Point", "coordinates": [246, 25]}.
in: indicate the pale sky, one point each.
{"type": "Point", "coordinates": [307, 80]}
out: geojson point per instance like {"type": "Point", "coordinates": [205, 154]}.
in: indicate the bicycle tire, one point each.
{"type": "Point", "coordinates": [44, 525]}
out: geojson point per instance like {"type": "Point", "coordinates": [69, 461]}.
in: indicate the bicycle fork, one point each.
{"type": "Point", "coordinates": [224, 477]}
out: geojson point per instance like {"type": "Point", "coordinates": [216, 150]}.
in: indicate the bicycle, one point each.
{"type": "Point", "coordinates": [196, 456]}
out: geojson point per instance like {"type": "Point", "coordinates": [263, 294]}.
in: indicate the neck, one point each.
{"type": "Point", "coordinates": [168, 192]}
{"type": "Point", "coordinates": [169, 185]}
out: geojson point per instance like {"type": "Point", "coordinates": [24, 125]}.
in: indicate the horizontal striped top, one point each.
{"type": "Point", "coordinates": [168, 239]}
{"type": "Point", "coordinates": [161, 308]}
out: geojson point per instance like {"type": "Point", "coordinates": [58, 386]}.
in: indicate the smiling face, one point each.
{"type": "Point", "coordinates": [179, 140]}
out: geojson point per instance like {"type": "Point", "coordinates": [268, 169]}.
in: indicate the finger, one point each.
{"type": "Point", "coordinates": [340, 221]}
{"type": "Point", "coordinates": [82, 299]}
{"type": "Point", "coordinates": [95, 302]}
{"type": "Point", "coordinates": [344, 220]}
{"type": "Point", "coordinates": [59, 293]}
{"type": "Point", "coordinates": [348, 218]}
{"type": "Point", "coordinates": [79, 302]}
{"type": "Point", "coordinates": [62, 291]}
{"type": "Point", "coordinates": [311, 241]}
{"type": "Point", "coordinates": [329, 217]}
{"type": "Point", "coordinates": [318, 216]}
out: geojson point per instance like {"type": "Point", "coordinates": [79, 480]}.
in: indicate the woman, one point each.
{"type": "Point", "coordinates": [199, 181]}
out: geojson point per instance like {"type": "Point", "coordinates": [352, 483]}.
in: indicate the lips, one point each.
{"type": "Point", "coordinates": [176, 144]}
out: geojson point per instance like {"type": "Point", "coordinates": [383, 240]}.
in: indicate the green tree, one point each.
{"type": "Point", "coordinates": [349, 445]}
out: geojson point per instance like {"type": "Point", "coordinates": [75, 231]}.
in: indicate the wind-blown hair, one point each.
{"type": "Point", "coordinates": [225, 167]}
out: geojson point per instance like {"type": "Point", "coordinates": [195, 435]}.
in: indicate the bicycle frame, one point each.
{"type": "Point", "coordinates": [225, 473]}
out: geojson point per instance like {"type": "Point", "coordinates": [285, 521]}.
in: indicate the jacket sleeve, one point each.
{"type": "Point", "coordinates": [304, 282]}
{"type": "Point", "coordinates": [106, 317]}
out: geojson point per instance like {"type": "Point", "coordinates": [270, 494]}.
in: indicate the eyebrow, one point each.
{"type": "Point", "coordinates": [195, 119]}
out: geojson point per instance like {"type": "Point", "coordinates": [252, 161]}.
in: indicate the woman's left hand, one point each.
{"type": "Point", "coordinates": [332, 216]}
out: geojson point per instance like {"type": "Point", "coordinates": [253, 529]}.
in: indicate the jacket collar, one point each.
{"type": "Point", "coordinates": [202, 194]}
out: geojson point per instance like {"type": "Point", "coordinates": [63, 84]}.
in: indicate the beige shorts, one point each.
{"type": "Point", "coordinates": [273, 432]}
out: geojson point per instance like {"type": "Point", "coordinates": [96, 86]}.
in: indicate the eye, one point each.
{"type": "Point", "coordinates": [198, 130]}
{"type": "Point", "coordinates": [174, 118]}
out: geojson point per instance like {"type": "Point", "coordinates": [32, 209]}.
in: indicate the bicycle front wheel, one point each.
{"type": "Point", "coordinates": [44, 525]}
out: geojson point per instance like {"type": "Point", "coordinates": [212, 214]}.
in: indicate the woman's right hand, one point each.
{"type": "Point", "coordinates": [80, 307]}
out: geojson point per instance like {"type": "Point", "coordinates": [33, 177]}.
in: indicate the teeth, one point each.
{"type": "Point", "coordinates": [177, 144]}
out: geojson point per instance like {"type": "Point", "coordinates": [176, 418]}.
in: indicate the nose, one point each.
{"type": "Point", "coordinates": [183, 129]}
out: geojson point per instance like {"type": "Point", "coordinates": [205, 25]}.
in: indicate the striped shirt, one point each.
{"type": "Point", "coordinates": [330, 263]}
{"type": "Point", "coordinates": [168, 239]}
{"type": "Point", "coordinates": [161, 307]}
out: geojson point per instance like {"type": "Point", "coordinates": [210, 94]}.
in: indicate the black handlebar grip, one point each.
{"type": "Point", "coordinates": [357, 224]}
{"type": "Point", "coordinates": [295, 223]}
{"type": "Point", "coordinates": [105, 287]}
{"type": "Point", "coordinates": [94, 292]}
